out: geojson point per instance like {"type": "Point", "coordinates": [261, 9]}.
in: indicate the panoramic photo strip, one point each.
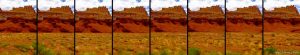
{"type": "Point", "coordinates": [131, 27]}
{"type": "Point", "coordinates": [149, 27]}
{"type": "Point", "coordinates": [206, 27]}
{"type": "Point", "coordinates": [18, 27]}
{"type": "Point", "coordinates": [244, 27]}
{"type": "Point", "coordinates": [282, 27]}
{"type": "Point", "coordinates": [55, 27]}
{"type": "Point", "coordinates": [169, 27]}
{"type": "Point", "coordinates": [93, 27]}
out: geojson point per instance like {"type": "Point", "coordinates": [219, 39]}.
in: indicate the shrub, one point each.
{"type": "Point", "coordinates": [3, 45]}
{"type": "Point", "coordinates": [142, 53]}
{"type": "Point", "coordinates": [43, 50]}
{"type": "Point", "coordinates": [88, 53]}
{"type": "Point", "coordinates": [165, 52]}
{"type": "Point", "coordinates": [270, 50]}
{"type": "Point", "coordinates": [23, 48]}
{"type": "Point", "coordinates": [232, 53]}
{"type": "Point", "coordinates": [194, 51]}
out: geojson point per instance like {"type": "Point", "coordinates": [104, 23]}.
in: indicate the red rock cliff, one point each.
{"type": "Point", "coordinates": [285, 19]}
{"type": "Point", "coordinates": [209, 19]}
{"type": "Point", "coordinates": [131, 20]}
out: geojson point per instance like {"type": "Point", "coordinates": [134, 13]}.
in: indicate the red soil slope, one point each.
{"type": "Point", "coordinates": [18, 20]}
{"type": "Point", "coordinates": [56, 20]}
{"type": "Point", "coordinates": [171, 19]}
{"type": "Point", "coordinates": [96, 20]}
{"type": "Point", "coordinates": [209, 19]}
{"type": "Point", "coordinates": [131, 20]}
{"type": "Point", "coordinates": [246, 19]}
{"type": "Point", "coordinates": [285, 19]}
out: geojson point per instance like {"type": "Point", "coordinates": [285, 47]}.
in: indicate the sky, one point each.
{"type": "Point", "coordinates": [82, 5]}
{"type": "Point", "coordinates": [119, 5]}
{"type": "Point", "coordinates": [195, 5]}
{"type": "Point", "coordinates": [232, 5]}
{"type": "Point", "coordinates": [271, 4]}
{"type": "Point", "coordinates": [7, 5]}
{"type": "Point", "coordinates": [45, 5]}
{"type": "Point", "coordinates": [157, 5]}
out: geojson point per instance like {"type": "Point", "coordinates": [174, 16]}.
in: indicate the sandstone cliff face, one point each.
{"type": "Point", "coordinates": [18, 20]}
{"type": "Point", "coordinates": [209, 19]}
{"type": "Point", "coordinates": [131, 20]}
{"type": "Point", "coordinates": [56, 20]}
{"type": "Point", "coordinates": [171, 19]}
{"type": "Point", "coordinates": [93, 20]}
{"type": "Point", "coordinates": [246, 19]}
{"type": "Point", "coordinates": [285, 19]}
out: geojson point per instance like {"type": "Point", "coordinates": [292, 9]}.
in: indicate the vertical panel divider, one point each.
{"type": "Point", "coordinates": [36, 22]}
{"type": "Point", "coordinates": [263, 12]}
{"type": "Point", "coordinates": [150, 25]}
{"type": "Point", "coordinates": [225, 17]}
{"type": "Point", "coordinates": [187, 27]}
{"type": "Point", "coordinates": [112, 27]}
{"type": "Point", "coordinates": [74, 26]}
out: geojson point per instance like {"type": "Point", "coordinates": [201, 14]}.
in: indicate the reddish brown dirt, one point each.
{"type": "Point", "coordinates": [55, 25]}
{"type": "Point", "coordinates": [131, 25]}
{"type": "Point", "coordinates": [93, 26]}
{"type": "Point", "coordinates": [17, 25]}
{"type": "Point", "coordinates": [206, 25]}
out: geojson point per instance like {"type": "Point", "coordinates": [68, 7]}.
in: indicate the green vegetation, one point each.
{"type": "Point", "coordinates": [165, 52]}
{"type": "Point", "coordinates": [142, 53]}
{"type": "Point", "coordinates": [88, 53]}
{"type": "Point", "coordinates": [232, 53]}
{"type": "Point", "coordinates": [23, 48]}
{"type": "Point", "coordinates": [214, 53]}
{"type": "Point", "coordinates": [43, 50]}
{"type": "Point", "coordinates": [270, 50]}
{"type": "Point", "coordinates": [194, 51]}
{"type": "Point", "coordinates": [3, 45]}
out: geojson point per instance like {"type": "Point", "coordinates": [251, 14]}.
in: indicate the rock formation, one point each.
{"type": "Point", "coordinates": [209, 19]}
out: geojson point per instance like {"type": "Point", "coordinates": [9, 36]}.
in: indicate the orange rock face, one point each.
{"type": "Point", "coordinates": [56, 20]}
{"type": "Point", "coordinates": [18, 20]}
{"type": "Point", "coordinates": [171, 19]}
{"type": "Point", "coordinates": [133, 20]}
{"type": "Point", "coordinates": [247, 19]}
{"type": "Point", "coordinates": [209, 19]}
{"type": "Point", "coordinates": [94, 20]}
{"type": "Point", "coordinates": [285, 19]}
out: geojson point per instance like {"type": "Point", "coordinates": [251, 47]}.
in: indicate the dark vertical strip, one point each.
{"type": "Point", "coordinates": [225, 17]}
{"type": "Point", "coordinates": [187, 27]}
{"type": "Point", "coordinates": [150, 25]}
{"type": "Point", "coordinates": [262, 51]}
{"type": "Point", "coordinates": [37, 32]}
{"type": "Point", "coordinates": [74, 9]}
{"type": "Point", "coordinates": [112, 27]}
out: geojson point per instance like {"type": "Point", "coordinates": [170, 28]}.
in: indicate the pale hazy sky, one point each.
{"type": "Point", "coordinates": [157, 5]}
